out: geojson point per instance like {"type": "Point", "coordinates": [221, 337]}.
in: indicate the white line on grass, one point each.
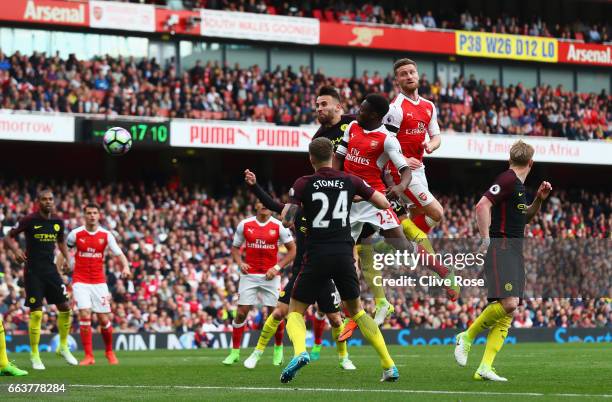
{"type": "Point", "coordinates": [390, 391]}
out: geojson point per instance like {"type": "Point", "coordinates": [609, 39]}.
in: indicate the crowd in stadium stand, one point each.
{"type": "Point", "coordinates": [178, 243]}
{"type": "Point", "coordinates": [402, 14]}
{"type": "Point", "coordinates": [126, 86]}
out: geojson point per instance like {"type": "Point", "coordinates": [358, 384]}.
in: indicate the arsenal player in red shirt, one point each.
{"type": "Point", "coordinates": [89, 281]}
{"type": "Point", "coordinates": [260, 269]}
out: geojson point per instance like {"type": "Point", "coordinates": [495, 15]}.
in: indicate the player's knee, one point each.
{"type": "Point", "coordinates": [436, 212]}
{"type": "Point", "coordinates": [279, 314]}
{"type": "Point", "coordinates": [335, 319]}
{"type": "Point", "coordinates": [510, 304]}
{"type": "Point", "coordinates": [103, 319]}
{"type": "Point", "coordinates": [85, 314]}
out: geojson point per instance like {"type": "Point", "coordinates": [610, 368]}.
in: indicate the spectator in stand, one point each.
{"type": "Point", "coordinates": [126, 86]}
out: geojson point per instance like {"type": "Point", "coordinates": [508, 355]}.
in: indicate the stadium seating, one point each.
{"type": "Point", "coordinates": [286, 97]}
{"type": "Point", "coordinates": [178, 243]}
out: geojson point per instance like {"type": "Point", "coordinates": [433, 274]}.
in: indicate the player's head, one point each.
{"type": "Point", "coordinates": [262, 212]}
{"type": "Point", "coordinates": [406, 75]}
{"type": "Point", "coordinates": [329, 105]}
{"type": "Point", "coordinates": [372, 110]}
{"type": "Point", "coordinates": [320, 151]}
{"type": "Point", "coordinates": [46, 201]}
{"type": "Point", "coordinates": [92, 214]}
{"type": "Point", "coordinates": [521, 155]}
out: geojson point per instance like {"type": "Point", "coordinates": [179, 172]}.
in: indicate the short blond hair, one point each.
{"type": "Point", "coordinates": [521, 153]}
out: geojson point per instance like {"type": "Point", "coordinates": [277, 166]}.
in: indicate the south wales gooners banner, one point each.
{"type": "Point", "coordinates": [273, 28]}
{"type": "Point", "coordinates": [502, 46]}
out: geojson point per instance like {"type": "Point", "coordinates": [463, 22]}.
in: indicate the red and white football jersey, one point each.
{"type": "Point", "coordinates": [261, 242]}
{"type": "Point", "coordinates": [89, 256]}
{"type": "Point", "coordinates": [413, 120]}
{"type": "Point", "coordinates": [367, 152]}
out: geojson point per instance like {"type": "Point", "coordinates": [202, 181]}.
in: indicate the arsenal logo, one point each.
{"type": "Point", "coordinates": [409, 114]}
{"type": "Point", "coordinates": [101, 241]}
{"type": "Point", "coordinates": [97, 12]}
{"type": "Point", "coordinates": [364, 36]}
{"type": "Point", "coordinates": [374, 144]}
{"type": "Point", "coordinates": [423, 197]}
{"type": "Point", "coordinates": [272, 232]}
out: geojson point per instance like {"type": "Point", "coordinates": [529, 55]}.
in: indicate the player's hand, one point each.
{"type": "Point", "coordinates": [126, 274]}
{"type": "Point", "coordinates": [413, 163]}
{"type": "Point", "coordinates": [484, 245]}
{"type": "Point", "coordinates": [244, 268]}
{"type": "Point", "coordinates": [544, 190]}
{"type": "Point", "coordinates": [427, 147]}
{"type": "Point", "coordinates": [395, 192]}
{"type": "Point", "coordinates": [20, 256]}
{"type": "Point", "coordinates": [250, 177]}
{"type": "Point", "coordinates": [271, 274]}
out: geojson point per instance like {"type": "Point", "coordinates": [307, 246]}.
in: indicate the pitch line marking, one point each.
{"type": "Point", "coordinates": [390, 391]}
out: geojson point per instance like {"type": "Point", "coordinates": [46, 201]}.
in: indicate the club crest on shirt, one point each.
{"type": "Point", "coordinates": [101, 241]}
{"type": "Point", "coordinates": [374, 144]}
{"type": "Point", "coordinates": [409, 115]}
{"type": "Point", "coordinates": [272, 232]}
{"type": "Point", "coordinates": [508, 287]}
{"type": "Point", "coordinates": [56, 227]}
{"type": "Point", "coordinates": [250, 230]}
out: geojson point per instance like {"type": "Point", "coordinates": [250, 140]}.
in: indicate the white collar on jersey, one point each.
{"type": "Point", "coordinates": [382, 129]}
{"type": "Point", "coordinates": [264, 223]}
{"type": "Point", "coordinates": [414, 102]}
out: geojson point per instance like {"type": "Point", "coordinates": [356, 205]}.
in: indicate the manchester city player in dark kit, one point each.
{"type": "Point", "coordinates": [502, 214]}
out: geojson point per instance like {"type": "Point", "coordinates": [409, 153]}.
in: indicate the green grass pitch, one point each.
{"type": "Point", "coordinates": [538, 372]}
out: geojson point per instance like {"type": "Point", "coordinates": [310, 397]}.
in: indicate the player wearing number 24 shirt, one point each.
{"type": "Point", "coordinates": [89, 281]}
{"type": "Point", "coordinates": [326, 198]}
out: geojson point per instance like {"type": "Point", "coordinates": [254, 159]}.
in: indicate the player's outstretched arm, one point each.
{"type": "Point", "coordinates": [543, 193]}
{"type": "Point", "coordinates": [265, 198]}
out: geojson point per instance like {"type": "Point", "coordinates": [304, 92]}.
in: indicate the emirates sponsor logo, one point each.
{"type": "Point", "coordinates": [260, 244]}
{"type": "Point", "coordinates": [420, 129]}
{"type": "Point", "coordinates": [87, 254]}
{"type": "Point", "coordinates": [589, 55]}
{"type": "Point", "coordinates": [354, 157]}
{"type": "Point", "coordinates": [62, 14]}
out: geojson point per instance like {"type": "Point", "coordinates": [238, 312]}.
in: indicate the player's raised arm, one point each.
{"type": "Point", "coordinates": [10, 240]}
{"type": "Point", "coordinates": [543, 193]}
{"type": "Point", "coordinates": [265, 198]}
